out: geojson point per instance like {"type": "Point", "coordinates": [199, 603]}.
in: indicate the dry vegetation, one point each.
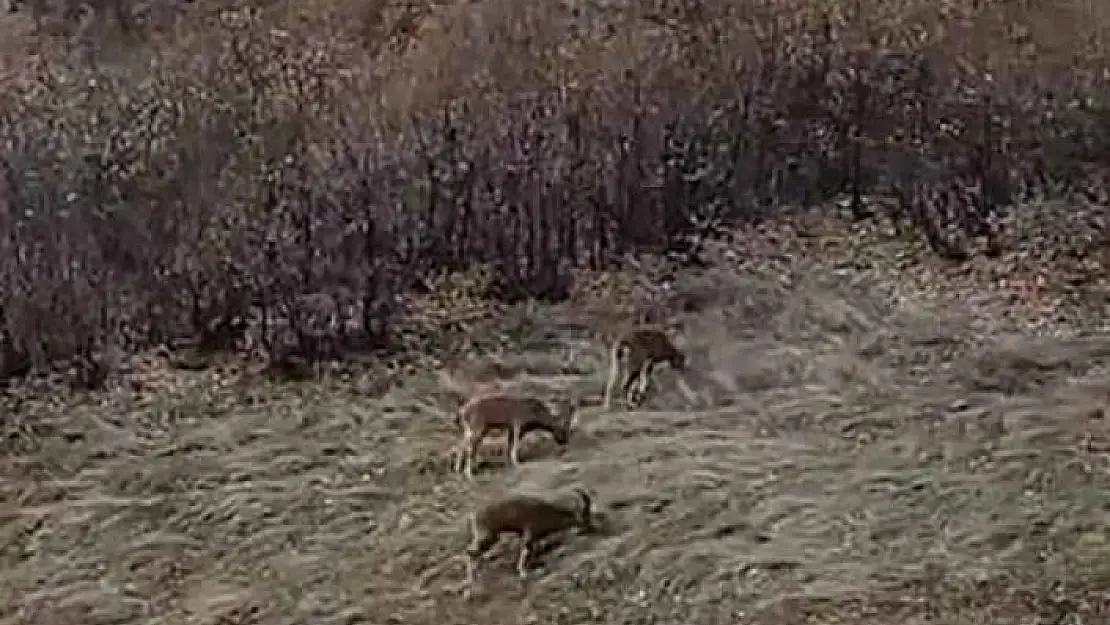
{"type": "Point", "coordinates": [854, 460]}
{"type": "Point", "coordinates": [878, 231]}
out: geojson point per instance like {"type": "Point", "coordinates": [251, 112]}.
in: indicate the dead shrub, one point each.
{"type": "Point", "coordinates": [208, 192]}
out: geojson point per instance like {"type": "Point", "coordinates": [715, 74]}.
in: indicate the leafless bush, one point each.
{"type": "Point", "coordinates": [233, 191]}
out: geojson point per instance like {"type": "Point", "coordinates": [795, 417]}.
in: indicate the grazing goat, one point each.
{"type": "Point", "coordinates": [531, 517]}
{"type": "Point", "coordinates": [633, 358]}
{"type": "Point", "coordinates": [515, 413]}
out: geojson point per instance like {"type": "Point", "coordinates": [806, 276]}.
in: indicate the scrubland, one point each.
{"type": "Point", "coordinates": [878, 231]}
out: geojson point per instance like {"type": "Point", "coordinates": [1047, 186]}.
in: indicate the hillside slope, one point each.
{"type": "Point", "coordinates": [850, 457]}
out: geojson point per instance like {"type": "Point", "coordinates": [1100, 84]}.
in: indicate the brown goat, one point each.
{"type": "Point", "coordinates": [633, 358]}
{"type": "Point", "coordinates": [531, 517]}
{"type": "Point", "coordinates": [515, 413]}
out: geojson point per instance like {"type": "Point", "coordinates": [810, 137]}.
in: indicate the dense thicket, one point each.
{"type": "Point", "coordinates": [232, 178]}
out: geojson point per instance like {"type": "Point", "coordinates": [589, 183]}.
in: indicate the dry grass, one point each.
{"type": "Point", "coordinates": [851, 461]}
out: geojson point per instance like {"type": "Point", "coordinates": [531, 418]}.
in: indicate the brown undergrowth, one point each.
{"type": "Point", "coordinates": [344, 153]}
